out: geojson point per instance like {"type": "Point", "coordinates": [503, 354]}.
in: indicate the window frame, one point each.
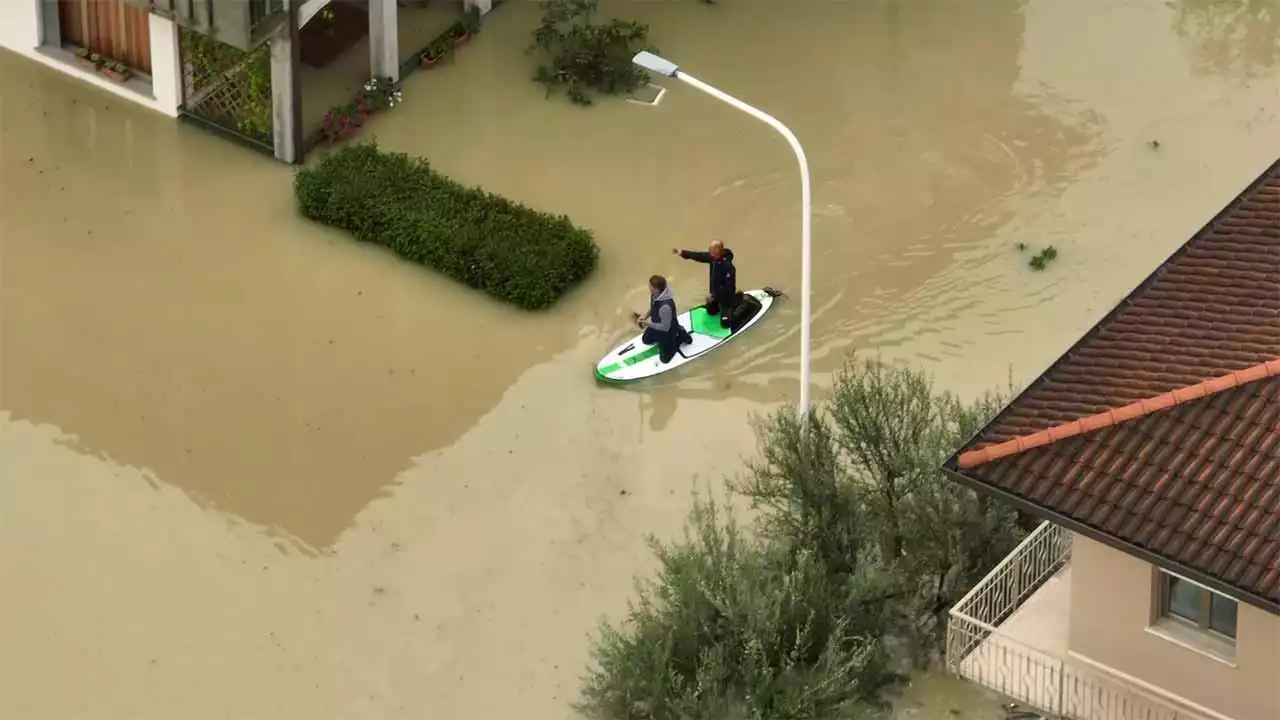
{"type": "Point", "coordinates": [1204, 603]}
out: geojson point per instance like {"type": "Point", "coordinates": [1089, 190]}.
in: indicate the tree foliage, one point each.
{"type": "Point", "coordinates": [584, 56]}
{"type": "Point", "coordinates": [859, 546]}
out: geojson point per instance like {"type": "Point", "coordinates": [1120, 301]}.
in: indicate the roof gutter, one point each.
{"type": "Point", "coordinates": [1114, 543]}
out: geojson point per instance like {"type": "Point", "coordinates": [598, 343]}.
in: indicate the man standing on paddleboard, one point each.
{"type": "Point", "coordinates": [722, 279]}
{"type": "Point", "coordinates": [662, 327]}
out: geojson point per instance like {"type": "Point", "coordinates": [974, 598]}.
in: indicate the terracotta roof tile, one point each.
{"type": "Point", "coordinates": [987, 452]}
{"type": "Point", "coordinates": [1214, 307]}
{"type": "Point", "coordinates": [1185, 483]}
{"type": "Point", "coordinates": [1191, 479]}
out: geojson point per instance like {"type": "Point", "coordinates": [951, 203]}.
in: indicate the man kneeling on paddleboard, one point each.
{"type": "Point", "coordinates": [722, 279]}
{"type": "Point", "coordinates": [662, 328]}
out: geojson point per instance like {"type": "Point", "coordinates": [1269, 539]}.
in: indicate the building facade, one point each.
{"type": "Point", "coordinates": [50, 31]}
{"type": "Point", "coordinates": [1151, 451]}
{"type": "Point", "coordinates": [146, 37]}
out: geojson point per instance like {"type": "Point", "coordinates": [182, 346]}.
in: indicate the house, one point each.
{"type": "Point", "coordinates": [49, 32]}
{"type": "Point", "coordinates": [1151, 451]}
{"type": "Point", "coordinates": [146, 36]}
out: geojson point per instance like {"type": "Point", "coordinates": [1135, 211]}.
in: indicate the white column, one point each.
{"type": "Point", "coordinates": [484, 5]}
{"type": "Point", "coordinates": [282, 79]}
{"type": "Point", "coordinates": [384, 39]}
{"type": "Point", "coordinates": [166, 64]}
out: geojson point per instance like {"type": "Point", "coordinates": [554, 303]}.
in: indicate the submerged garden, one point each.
{"type": "Point", "coordinates": [837, 588]}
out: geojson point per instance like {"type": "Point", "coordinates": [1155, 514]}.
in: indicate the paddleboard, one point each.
{"type": "Point", "coordinates": [633, 360]}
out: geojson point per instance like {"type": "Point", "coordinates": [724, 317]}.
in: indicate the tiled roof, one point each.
{"type": "Point", "coordinates": [1194, 484]}
{"type": "Point", "coordinates": [1212, 308]}
{"type": "Point", "coordinates": [1164, 401]}
{"type": "Point", "coordinates": [1198, 483]}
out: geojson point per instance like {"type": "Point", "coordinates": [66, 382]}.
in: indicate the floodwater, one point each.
{"type": "Point", "coordinates": [251, 469]}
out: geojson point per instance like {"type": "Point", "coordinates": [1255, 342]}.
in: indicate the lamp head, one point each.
{"type": "Point", "coordinates": [655, 64]}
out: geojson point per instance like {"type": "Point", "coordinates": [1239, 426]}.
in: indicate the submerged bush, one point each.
{"type": "Point", "coordinates": [506, 249]}
{"type": "Point", "coordinates": [859, 548]}
{"type": "Point", "coordinates": [738, 628]}
{"type": "Point", "coordinates": [584, 56]}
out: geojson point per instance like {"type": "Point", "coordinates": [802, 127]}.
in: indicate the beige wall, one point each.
{"type": "Point", "coordinates": [1111, 609]}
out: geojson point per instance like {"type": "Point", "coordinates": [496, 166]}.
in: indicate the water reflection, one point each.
{"type": "Point", "coordinates": [161, 301]}
{"type": "Point", "coordinates": [922, 147]}
{"type": "Point", "coordinates": [1231, 37]}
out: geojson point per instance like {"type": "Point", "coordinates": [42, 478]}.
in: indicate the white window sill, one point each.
{"type": "Point", "coordinates": [138, 85]}
{"type": "Point", "coordinates": [1196, 640]}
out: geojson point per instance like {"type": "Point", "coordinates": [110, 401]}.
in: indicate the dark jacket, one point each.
{"type": "Point", "coordinates": [722, 276]}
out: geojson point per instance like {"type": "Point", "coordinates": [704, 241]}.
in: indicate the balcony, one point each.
{"type": "Point", "coordinates": [244, 24]}
{"type": "Point", "coordinates": [1010, 634]}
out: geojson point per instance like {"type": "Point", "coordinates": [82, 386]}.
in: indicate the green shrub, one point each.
{"type": "Point", "coordinates": [736, 628]}
{"type": "Point", "coordinates": [504, 248]}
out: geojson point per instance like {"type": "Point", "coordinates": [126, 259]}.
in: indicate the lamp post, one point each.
{"type": "Point", "coordinates": [662, 66]}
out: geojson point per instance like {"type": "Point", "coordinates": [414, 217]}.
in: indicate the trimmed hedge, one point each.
{"type": "Point", "coordinates": [506, 249]}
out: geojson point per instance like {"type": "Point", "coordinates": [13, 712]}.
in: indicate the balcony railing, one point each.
{"type": "Point", "coordinates": [979, 651]}
{"type": "Point", "coordinates": [1055, 687]}
{"type": "Point", "coordinates": [993, 600]}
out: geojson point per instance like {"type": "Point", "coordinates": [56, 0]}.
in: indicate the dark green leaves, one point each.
{"type": "Point", "coordinates": [858, 548]}
{"type": "Point", "coordinates": [584, 56]}
{"type": "Point", "coordinates": [506, 249]}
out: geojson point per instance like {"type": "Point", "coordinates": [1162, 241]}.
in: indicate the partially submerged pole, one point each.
{"type": "Point", "coordinates": [295, 84]}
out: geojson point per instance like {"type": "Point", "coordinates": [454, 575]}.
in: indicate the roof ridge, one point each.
{"type": "Point", "coordinates": [1109, 418]}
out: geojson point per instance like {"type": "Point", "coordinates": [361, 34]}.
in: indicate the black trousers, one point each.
{"type": "Point", "coordinates": [668, 342]}
{"type": "Point", "coordinates": [722, 304]}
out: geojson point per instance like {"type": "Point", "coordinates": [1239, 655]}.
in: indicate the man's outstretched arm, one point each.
{"type": "Point", "coordinates": [694, 255]}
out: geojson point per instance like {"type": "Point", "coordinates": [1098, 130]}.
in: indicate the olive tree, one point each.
{"type": "Point", "coordinates": [858, 546]}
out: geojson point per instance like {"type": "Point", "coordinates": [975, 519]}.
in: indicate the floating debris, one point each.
{"type": "Point", "coordinates": [1043, 258]}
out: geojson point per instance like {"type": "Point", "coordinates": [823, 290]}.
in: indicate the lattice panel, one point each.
{"type": "Point", "coordinates": [226, 86]}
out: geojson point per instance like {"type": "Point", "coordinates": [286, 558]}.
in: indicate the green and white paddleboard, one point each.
{"type": "Point", "coordinates": [633, 360]}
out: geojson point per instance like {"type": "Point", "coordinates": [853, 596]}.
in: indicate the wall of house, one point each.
{"type": "Point", "coordinates": [24, 29]}
{"type": "Point", "coordinates": [1111, 613]}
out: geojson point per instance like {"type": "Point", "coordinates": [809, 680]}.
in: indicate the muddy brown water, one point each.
{"type": "Point", "coordinates": [251, 469]}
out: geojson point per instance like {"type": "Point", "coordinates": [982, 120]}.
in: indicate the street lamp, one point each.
{"type": "Point", "coordinates": [662, 66]}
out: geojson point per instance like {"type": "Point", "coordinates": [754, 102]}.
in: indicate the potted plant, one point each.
{"type": "Point", "coordinates": [461, 31]}
{"type": "Point", "coordinates": [380, 93]}
{"type": "Point", "coordinates": [433, 54]}
{"type": "Point", "coordinates": [342, 122]}
{"type": "Point", "coordinates": [88, 59]}
{"type": "Point", "coordinates": [116, 70]}
{"type": "Point", "coordinates": [458, 34]}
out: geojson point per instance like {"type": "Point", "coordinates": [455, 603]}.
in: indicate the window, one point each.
{"type": "Point", "coordinates": [1193, 606]}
